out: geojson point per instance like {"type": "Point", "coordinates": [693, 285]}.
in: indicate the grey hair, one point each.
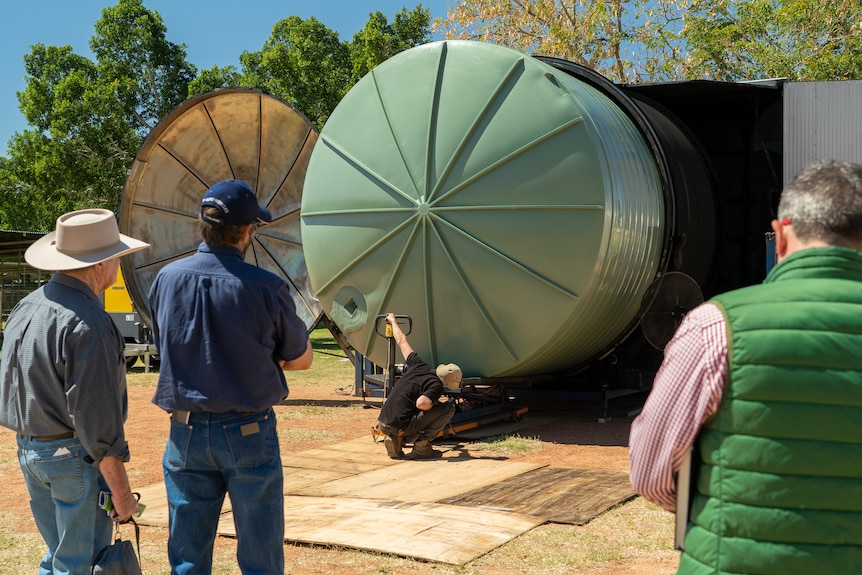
{"type": "Point", "coordinates": [824, 202]}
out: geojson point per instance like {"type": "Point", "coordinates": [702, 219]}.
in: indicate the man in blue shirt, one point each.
{"type": "Point", "coordinates": [64, 390]}
{"type": "Point", "coordinates": [225, 331]}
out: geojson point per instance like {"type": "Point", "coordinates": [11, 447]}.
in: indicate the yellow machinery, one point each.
{"type": "Point", "coordinates": [117, 300]}
{"type": "Point", "coordinates": [121, 308]}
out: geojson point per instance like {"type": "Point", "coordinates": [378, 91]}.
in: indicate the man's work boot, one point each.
{"type": "Point", "coordinates": [422, 450]}
{"type": "Point", "coordinates": [393, 446]}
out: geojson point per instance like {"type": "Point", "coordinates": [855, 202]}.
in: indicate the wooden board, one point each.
{"type": "Point", "coordinates": [296, 478]}
{"type": "Point", "coordinates": [429, 480]}
{"type": "Point", "coordinates": [352, 494]}
{"type": "Point", "coordinates": [156, 513]}
{"type": "Point", "coordinates": [354, 456]}
{"type": "Point", "coordinates": [572, 496]}
{"type": "Point", "coordinates": [155, 498]}
{"type": "Point", "coordinates": [427, 531]}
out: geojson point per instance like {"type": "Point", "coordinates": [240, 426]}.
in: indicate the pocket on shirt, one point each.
{"type": "Point", "coordinates": [253, 440]}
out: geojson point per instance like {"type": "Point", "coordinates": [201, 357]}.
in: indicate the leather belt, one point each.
{"type": "Point", "coordinates": [65, 435]}
{"type": "Point", "coordinates": [183, 416]}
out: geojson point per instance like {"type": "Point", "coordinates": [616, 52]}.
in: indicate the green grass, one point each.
{"type": "Point", "coordinates": [330, 366]}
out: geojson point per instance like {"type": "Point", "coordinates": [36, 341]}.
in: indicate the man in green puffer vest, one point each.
{"type": "Point", "coordinates": [764, 383]}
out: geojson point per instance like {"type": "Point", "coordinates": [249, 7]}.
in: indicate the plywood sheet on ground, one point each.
{"type": "Point", "coordinates": [428, 480]}
{"type": "Point", "coordinates": [352, 494]}
{"type": "Point", "coordinates": [427, 531]}
{"type": "Point", "coordinates": [156, 513]}
{"type": "Point", "coordinates": [410, 481]}
{"type": "Point", "coordinates": [355, 456]}
{"type": "Point", "coordinates": [296, 478]}
{"type": "Point", "coordinates": [562, 495]}
{"type": "Point", "coordinates": [155, 498]}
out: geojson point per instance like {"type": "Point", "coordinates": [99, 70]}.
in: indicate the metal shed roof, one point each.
{"type": "Point", "coordinates": [14, 242]}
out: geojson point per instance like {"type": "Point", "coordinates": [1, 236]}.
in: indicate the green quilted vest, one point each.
{"type": "Point", "coordinates": [779, 482]}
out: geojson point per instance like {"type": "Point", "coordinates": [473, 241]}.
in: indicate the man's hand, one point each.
{"type": "Point", "coordinates": [398, 335]}
{"type": "Point", "coordinates": [424, 403]}
{"type": "Point", "coordinates": [114, 472]}
{"type": "Point", "coordinates": [124, 507]}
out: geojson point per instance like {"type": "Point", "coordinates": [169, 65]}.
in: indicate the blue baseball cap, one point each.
{"type": "Point", "coordinates": [236, 202]}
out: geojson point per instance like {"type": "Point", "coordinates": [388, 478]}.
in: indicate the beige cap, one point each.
{"type": "Point", "coordinates": [450, 375]}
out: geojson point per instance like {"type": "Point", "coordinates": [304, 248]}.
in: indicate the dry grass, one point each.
{"type": "Point", "coordinates": [631, 533]}
{"type": "Point", "coordinates": [16, 548]}
{"type": "Point", "coordinates": [633, 538]}
{"type": "Point", "coordinates": [509, 445]}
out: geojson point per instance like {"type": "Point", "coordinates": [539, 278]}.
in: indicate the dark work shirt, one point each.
{"type": "Point", "coordinates": [62, 369]}
{"type": "Point", "coordinates": [417, 379]}
{"type": "Point", "coordinates": [221, 325]}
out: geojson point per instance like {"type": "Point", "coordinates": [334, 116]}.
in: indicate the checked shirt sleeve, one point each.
{"type": "Point", "coordinates": [685, 394]}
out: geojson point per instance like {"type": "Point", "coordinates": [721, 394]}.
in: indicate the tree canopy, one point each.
{"type": "Point", "coordinates": [797, 39]}
{"type": "Point", "coordinates": [624, 40]}
{"type": "Point", "coordinates": [380, 40]}
{"type": "Point", "coordinates": [87, 118]}
{"type": "Point", "coordinates": [652, 40]}
{"type": "Point", "coordinates": [306, 64]}
{"type": "Point", "coordinates": [149, 76]}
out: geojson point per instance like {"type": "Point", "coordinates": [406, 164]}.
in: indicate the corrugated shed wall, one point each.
{"type": "Point", "coordinates": [822, 121]}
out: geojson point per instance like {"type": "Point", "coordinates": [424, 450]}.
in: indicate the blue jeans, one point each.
{"type": "Point", "coordinates": [64, 497]}
{"type": "Point", "coordinates": [214, 454]}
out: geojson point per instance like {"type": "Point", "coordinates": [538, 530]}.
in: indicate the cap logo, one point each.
{"type": "Point", "coordinates": [236, 202]}
{"type": "Point", "coordinates": [219, 204]}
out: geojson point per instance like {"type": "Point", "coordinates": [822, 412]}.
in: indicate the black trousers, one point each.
{"type": "Point", "coordinates": [425, 425]}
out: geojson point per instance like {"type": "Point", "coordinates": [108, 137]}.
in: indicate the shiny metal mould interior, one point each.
{"type": "Point", "coordinates": [224, 134]}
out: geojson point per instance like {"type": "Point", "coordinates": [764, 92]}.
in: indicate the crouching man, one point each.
{"type": "Point", "coordinates": [413, 412]}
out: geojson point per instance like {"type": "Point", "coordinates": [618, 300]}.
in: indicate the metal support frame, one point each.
{"type": "Point", "coordinates": [479, 402]}
{"type": "Point", "coordinates": [142, 350]}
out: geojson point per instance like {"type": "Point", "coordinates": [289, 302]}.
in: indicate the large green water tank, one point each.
{"type": "Point", "coordinates": [512, 210]}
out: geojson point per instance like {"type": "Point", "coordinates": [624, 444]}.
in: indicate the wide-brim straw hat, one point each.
{"type": "Point", "coordinates": [83, 238]}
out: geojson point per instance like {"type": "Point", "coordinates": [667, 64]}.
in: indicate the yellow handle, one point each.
{"type": "Point", "coordinates": [388, 330]}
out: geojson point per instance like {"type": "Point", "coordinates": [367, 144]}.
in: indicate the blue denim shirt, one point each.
{"type": "Point", "coordinates": [221, 325]}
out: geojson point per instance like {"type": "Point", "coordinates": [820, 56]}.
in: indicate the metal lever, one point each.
{"type": "Point", "coordinates": [387, 333]}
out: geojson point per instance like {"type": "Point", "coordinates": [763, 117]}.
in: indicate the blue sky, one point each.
{"type": "Point", "coordinates": [215, 32]}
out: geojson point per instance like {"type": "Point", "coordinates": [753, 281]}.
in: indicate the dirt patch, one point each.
{"type": "Point", "coordinates": [634, 538]}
